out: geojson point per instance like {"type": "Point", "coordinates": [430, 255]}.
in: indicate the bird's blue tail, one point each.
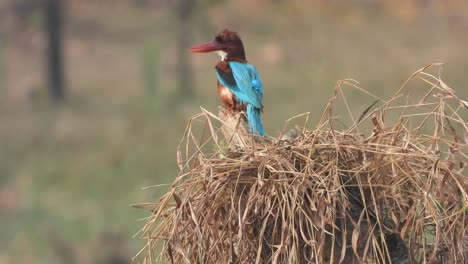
{"type": "Point", "coordinates": [255, 120]}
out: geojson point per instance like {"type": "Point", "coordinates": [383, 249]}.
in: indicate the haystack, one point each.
{"type": "Point", "coordinates": [394, 193]}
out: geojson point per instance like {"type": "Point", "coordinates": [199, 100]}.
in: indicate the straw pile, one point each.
{"type": "Point", "coordinates": [327, 195]}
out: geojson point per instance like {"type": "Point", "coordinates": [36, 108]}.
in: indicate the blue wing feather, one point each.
{"type": "Point", "coordinates": [248, 88]}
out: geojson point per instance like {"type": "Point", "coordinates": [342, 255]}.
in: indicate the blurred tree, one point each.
{"type": "Point", "coordinates": [54, 14]}
{"type": "Point", "coordinates": [150, 67]}
{"type": "Point", "coordinates": [184, 10]}
{"type": "Point", "coordinates": [148, 3]}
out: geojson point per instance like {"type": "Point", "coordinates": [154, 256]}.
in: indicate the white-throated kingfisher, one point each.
{"type": "Point", "coordinates": [239, 85]}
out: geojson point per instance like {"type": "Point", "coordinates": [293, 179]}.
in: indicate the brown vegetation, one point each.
{"type": "Point", "coordinates": [398, 195]}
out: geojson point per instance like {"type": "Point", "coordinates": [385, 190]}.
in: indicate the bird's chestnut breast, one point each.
{"type": "Point", "coordinates": [227, 97]}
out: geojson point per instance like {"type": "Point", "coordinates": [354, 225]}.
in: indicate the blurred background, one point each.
{"type": "Point", "coordinates": [95, 95]}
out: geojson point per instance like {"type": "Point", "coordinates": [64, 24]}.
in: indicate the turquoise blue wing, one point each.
{"type": "Point", "coordinates": [247, 85]}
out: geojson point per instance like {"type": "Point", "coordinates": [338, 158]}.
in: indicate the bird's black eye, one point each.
{"type": "Point", "coordinates": [219, 38]}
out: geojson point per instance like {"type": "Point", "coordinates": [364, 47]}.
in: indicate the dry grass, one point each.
{"type": "Point", "coordinates": [327, 195]}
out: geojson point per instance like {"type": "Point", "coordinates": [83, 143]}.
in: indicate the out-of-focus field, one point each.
{"type": "Point", "coordinates": [68, 174]}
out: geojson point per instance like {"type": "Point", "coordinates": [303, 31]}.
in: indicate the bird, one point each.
{"type": "Point", "coordinates": [240, 87]}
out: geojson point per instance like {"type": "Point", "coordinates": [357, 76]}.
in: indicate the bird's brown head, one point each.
{"type": "Point", "coordinates": [227, 44]}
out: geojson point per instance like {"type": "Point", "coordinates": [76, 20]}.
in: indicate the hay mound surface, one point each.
{"type": "Point", "coordinates": [323, 195]}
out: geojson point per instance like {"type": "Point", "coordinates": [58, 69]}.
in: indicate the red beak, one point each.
{"type": "Point", "coordinates": [206, 47]}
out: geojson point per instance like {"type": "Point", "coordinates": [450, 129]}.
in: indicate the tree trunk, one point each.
{"type": "Point", "coordinates": [184, 10]}
{"type": "Point", "coordinates": [54, 12]}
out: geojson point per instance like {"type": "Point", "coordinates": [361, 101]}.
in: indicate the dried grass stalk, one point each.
{"type": "Point", "coordinates": [327, 195]}
{"type": "Point", "coordinates": [235, 128]}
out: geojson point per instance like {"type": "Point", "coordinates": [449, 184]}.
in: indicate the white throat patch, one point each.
{"type": "Point", "coordinates": [222, 54]}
